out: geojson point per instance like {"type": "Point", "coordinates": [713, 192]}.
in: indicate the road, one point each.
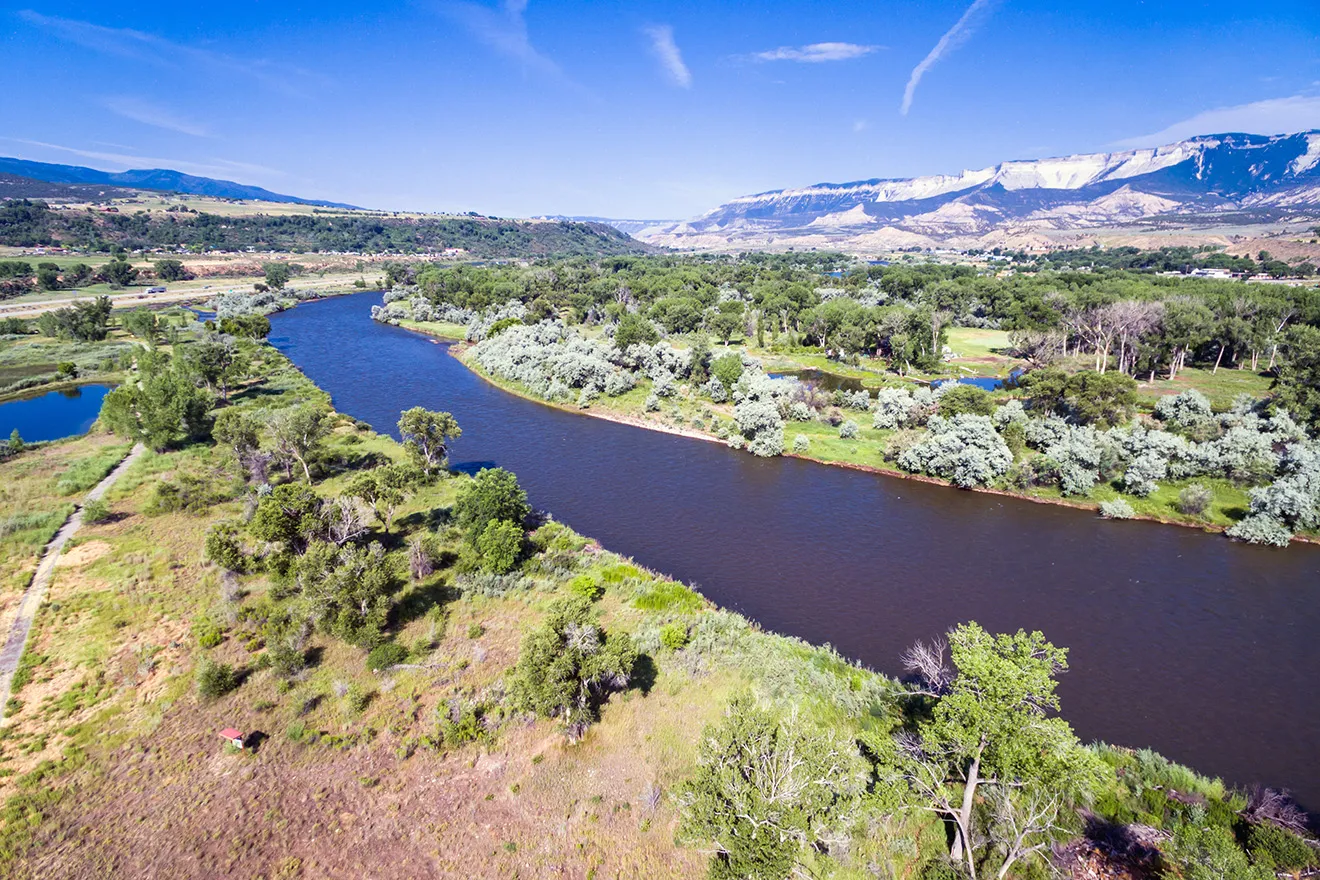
{"type": "Point", "coordinates": [129, 299]}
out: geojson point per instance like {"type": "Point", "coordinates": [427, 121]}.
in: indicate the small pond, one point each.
{"type": "Point", "coordinates": [54, 414]}
{"type": "Point", "coordinates": [989, 383]}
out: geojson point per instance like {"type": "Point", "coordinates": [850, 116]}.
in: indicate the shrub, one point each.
{"type": "Point", "coordinates": [385, 655]}
{"type": "Point", "coordinates": [727, 369]}
{"type": "Point", "coordinates": [801, 443]}
{"type": "Point", "coordinates": [965, 450]}
{"type": "Point", "coordinates": [760, 423]}
{"type": "Point", "coordinates": [207, 632]}
{"type": "Point", "coordinates": [475, 631]}
{"type": "Point", "coordinates": [215, 679]}
{"type": "Point", "coordinates": [848, 430]}
{"type": "Point", "coordinates": [356, 699]}
{"type": "Point", "coordinates": [493, 495]}
{"type": "Point", "coordinates": [586, 587]}
{"type": "Point", "coordinates": [1283, 848]}
{"type": "Point", "coordinates": [1262, 529]}
{"type": "Point", "coordinates": [674, 636]}
{"type": "Point", "coordinates": [223, 547]}
{"type": "Point", "coordinates": [966, 400]}
{"type": "Point", "coordinates": [1195, 499]}
{"type": "Point", "coordinates": [95, 511]}
{"type": "Point", "coordinates": [500, 546]}
{"type": "Point", "coordinates": [1116, 509]}
{"type": "Point", "coordinates": [1184, 410]}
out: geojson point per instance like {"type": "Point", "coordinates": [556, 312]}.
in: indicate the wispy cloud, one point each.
{"type": "Point", "coordinates": [860, 126]}
{"type": "Point", "coordinates": [1271, 116]}
{"type": "Point", "coordinates": [816, 53]}
{"type": "Point", "coordinates": [503, 29]}
{"type": "Point", "coordinates": [124, 161]}
{"type": "Point", "coordinates": [147, 113]}
{"type": "Point", "coordinates": [667, 53]}
{"type": "Point", "coordinates": [159, 51]}
{"type": "Point", "coordinates": [952, 39]}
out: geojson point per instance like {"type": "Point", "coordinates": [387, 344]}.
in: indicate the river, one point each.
{"type": "Point", "coordinates": [1201, 648]}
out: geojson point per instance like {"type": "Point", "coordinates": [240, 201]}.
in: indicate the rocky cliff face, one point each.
{"type": "Point", "coordinates": [1248, 178]}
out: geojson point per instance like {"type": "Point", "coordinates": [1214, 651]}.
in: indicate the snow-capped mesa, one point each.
{"type": "Point", "coordinates": [1253, 177]}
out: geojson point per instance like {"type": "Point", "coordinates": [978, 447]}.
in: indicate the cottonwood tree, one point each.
{"type": "Point", "coordinates": [348, 589]}
{"type": "Point", "coordinates": [492, 496]}
{"type": "Point", "coordinates": [427, 435]}
{"type": "Point", "coordinates": [382, 489]}
{"type": "Point", "coordinates": [989, 734]}
{"type": "Point", "coordinates": [219, 361]}
{"type": "Point", "coordinates": [766, 789]}
{"type": "Point", "coordinates": [296, 433]}
{"type": "Point", "coordinates": [161, 406]}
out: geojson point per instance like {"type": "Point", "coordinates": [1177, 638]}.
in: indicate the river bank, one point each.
{"type": "Point", "coordinates": [846, 457]}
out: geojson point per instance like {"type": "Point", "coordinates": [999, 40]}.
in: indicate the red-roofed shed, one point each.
{"type": "Point", "coordinates": [234, 736]}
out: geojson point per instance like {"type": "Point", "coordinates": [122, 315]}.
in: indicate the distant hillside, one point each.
{"type": "Point", "coordinates": [27, 223]}
{"type": "Point", "coordinates": [13, 186]}
{"type": "Point", "coordinates": [1216, 179]}
{"type": "Point", "coordinates": [155, 178]}
{"type": "Point", "coordinates": [635, 228]}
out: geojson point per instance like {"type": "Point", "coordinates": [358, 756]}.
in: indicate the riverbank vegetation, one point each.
{"type": "Point", "coordinates": [1159, 393]}
{"type": "Point", "coordinates": [400, 641]}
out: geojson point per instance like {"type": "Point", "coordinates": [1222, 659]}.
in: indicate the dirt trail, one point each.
{"type": "Point", "coordinates": [36, 591]}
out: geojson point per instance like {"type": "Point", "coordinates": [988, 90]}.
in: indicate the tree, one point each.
{"type": "Point", "coordinates": [427, 435]}
{"type": "Point", "coordinates": [1103, 399]}
{"type": "Point", "coordinates": [171, 270]}
{"type": "Point", "coordinates": [48, 276]}
{"type": "Point", "coordinates": [119, 272]}
{"type": "Point", "coordinates": [633, 329]}
{"type": "Point", "coordinates": [382, 490]}
{"type": "Point", "coordinates": [348, 590]}
{"type": "Point", "coordinates": [86, 321]}
{"type": "Point", "coordinates": [141, 322]}
{"type": "Point", "coordinates": [219, 362]}
{"type": "Point", "coordinates": [289, 515]}
{"type": "Point", "coordinates": [728, 368]}
{"type": "Point", "coordinates": [162, 407]}
{"type": "Point", "coordinates": [249, 326]}
{"type": "Point", "coordinates": [492, 495]}
{"type": "Point", "coordinates": [766, 789]}
{"type": "Point", "coordinates": [500, 545]}
{"type": "Point", "coordinates": [297, 433]}
{"type": "Point", "coordinates": [277, 275]}
{"type": "Point", "coordinates": [966, 400]}
{"type": "Point", "coordinates": [569, 665]}
{"type": "Point", "coordinates": [723, 325]}
{"type": "Point", "coordinates": [1298, 382]}
{"type": "Point", "coordinates": [988, 728]}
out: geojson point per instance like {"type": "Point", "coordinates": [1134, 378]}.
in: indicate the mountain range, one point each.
{"type": "Point", "coordinates": [153, 179]}
{"type": "Point", "coordinates": [1213, 180]}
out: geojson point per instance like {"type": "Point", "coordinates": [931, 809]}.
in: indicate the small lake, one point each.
{"type": "Point", "coordinates": [1201, 648]}
{"type": "Point", "coordinates": [54, 414]}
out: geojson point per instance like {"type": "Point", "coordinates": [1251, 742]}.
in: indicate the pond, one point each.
{"type": "Point", "coordinates": [1201, 648]}
{"type": "Point", "coordinates": [54, 414]}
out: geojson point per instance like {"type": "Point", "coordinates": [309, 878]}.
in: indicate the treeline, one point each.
{"type": "Point", "coordinates": [28, 223]}
{"type": "Point", "coordinates": [1171, 259]}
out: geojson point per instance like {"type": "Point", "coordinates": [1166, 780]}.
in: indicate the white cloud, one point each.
{"type": "Point", "coordinates": [147, 113]}
{"type": "Point", "coordinates": [142, 46]}
{"type": "Point", "coordinates": [123, 161]}
{"type": "Point", "coordinates": [503, 29]}
{"type": "Point", "coordinates": [860, 125]}
{"type": "Point", "coordinates": [667, 53]}
{"type": "Point", "coordinates": [1271, 116]}
{"type": "Point", "coordinates": [816, 53]}
{"type": "Point", "coordinates": [955, 37]}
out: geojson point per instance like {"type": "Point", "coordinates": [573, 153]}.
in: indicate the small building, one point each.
{"type": "Point", "coordinates": [233, 736]}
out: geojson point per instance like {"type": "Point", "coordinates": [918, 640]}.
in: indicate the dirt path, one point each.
{"type": "Point", "coordinates": [36, 591]}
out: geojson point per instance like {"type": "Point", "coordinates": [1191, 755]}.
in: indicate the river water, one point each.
{"type": "Point", "coordinates": [1201, 648]}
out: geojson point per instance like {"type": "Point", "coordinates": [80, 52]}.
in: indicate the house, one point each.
{"type": "Point", "coordinates": [235, 737]}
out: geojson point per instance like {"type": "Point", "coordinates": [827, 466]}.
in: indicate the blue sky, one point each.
{"type": "Point", "coordinates": [651, 110]}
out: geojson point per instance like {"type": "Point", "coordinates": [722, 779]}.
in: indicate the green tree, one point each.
{"type": "Point", "coordinates": [16, 444]}
{"type": "Point", "coordinates": [633, 329]}
{"type": "Point", "coordinates": [568, 666]}
{"type": "Point", "coordinates": [215, 679]}
{"type": "Point", "coordinates": [1209, 852]}
{"type": "Point", "coordinates": [1298, 383]}
{"type": "Point", "coordinates": [119, 272]}
{"type": "Point", "coordinates": [219, 361]}
{"type": "Point", "coordinates": [988, 728]}
{"type": "Point", "coordinates": [492, 495]}
{"type": "Point", "coordinates": [171, 270]}
{"type": "Point", "coordinates": [500, 545]}
{"type": "Point", "coordinates": [427, 435]}
{"type": "Point", "coordinates": [161, 406]}
{"type": "Point", "coordinates": [728, 368]}
{"type": "Point", "coordinates": [349, 590]}
{"type": "Point", "coordinates": [382, 489]}
{"type": "Point", "coordinates": [966, 400]}
{"type": "Point", "coordinates": [297, 434]}
{"type": "Point", "coordinates": [1103, 399]}
{"type": "Point", "coordinates": [141, 322]}
{"type": "Point", "coordinates": [290, 515]}
{"type": "Point", "coordinates": [250, 326]}
{"type": "Point", "coordinates": [48, 276]}
{"type": "Point", "coordinates": [277, 275]}
{"type": "Point", "coordinates": [767, 790]}
{"type": "Point", "coordinates": [724, 325]}
{"type": "Point", "coordinates": [238, 430]}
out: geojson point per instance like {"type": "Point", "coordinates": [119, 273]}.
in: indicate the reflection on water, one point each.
{"type": "Point", "coordinates": [1199, 647]}
{"type": "Point", "coordinates": [54, 414]}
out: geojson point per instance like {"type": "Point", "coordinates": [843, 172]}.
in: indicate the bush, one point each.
{"type": "Point", "coordinates": [966, 400]}
{"type": "Point", "coordinates": [96, 511]}
{"type": "Point", "coordinates": [965, 450]}
{"type": "Point", "coordinates": [1262, 529]}
{"type": "Point", "coordinates": [1116, 509]}
{"type": "Point", "coordinates": [586, 587]}
{"type": "Point", "coordinates": [223, 547]}
{"type": "Point", "coordinates": [801, 443]}
{"type": "Point", "coordinates": [1284, 849]}
{"type": "Point", "coordinates": [727, 369]}
{"type": "Point", "coordinates": [385, 655]}
{"type": "Point", "coordinates": [848, 430]}
{"type": "Point", "coordinates": [1195, 499]}
{"type": "Point", "coordinates": [493, 495]}
{"type": "Point", "coordinates": [207, 632]}
{"type": "Point", "coordinates": [674, 636]}
{"type": "Point", "coordinates": [215, 679]}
